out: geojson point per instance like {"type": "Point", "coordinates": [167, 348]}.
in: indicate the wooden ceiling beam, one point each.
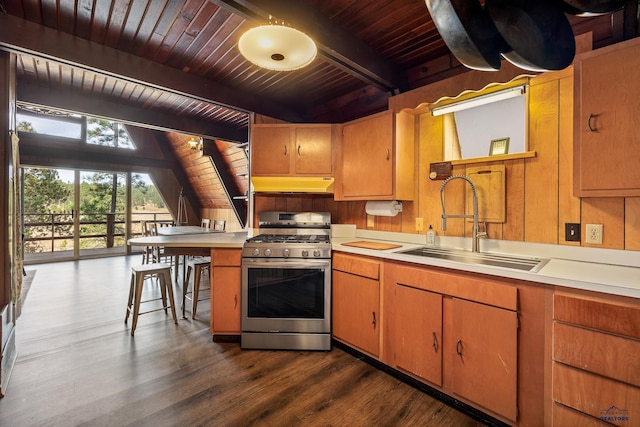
{"type": "Point", "coordinates": [77, 102]}
{"type": "Point", "coordinates": [22, 36]}
{"type": "Point", "coordinates": [336, 45]}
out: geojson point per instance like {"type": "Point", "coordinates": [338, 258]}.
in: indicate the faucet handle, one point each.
{"type": "Point", "coordinates": [482, 233]}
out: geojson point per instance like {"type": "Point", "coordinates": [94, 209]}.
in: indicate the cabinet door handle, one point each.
{"type": "Point", "coordinates": [235, 301]}
{"type": "Point", "coordinates": [435, 342]}
{"type": "Point", "coordinates": [459, 347]}
{"type": "Point", "coordinates": [285, 150]}
{"type": "Point", "coordinates": [299, 151]}
{"type": "Point", "coordinates": [388, 154]}
{"type": "Point", "coordinates": [591, 128]}
{"type": "Point", "coordinates": [373, 319]}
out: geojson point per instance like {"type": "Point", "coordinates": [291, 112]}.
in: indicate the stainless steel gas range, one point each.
{"type": "Point", "coordinates": [286, 283]}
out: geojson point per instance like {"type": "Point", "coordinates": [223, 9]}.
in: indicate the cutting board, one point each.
{"type": "Point", "coordinates": [490, 184]}
{"type": "Point", "coordinates": [372, 245]}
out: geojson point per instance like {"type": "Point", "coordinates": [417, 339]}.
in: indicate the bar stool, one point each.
{"type": "Point", "coordinates": [138, 275]}
{"type": "Point", "coordinates": [197, 265]}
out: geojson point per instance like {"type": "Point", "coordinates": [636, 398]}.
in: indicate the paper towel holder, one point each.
{"type": "Point", "coordinates": [378, 208]}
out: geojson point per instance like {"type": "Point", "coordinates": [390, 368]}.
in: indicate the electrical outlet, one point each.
{"type": "Point", "coordinates": [371, 222]}
{"type": "Point", "coordinates": [572, 231]}
{"type": "Point", "coordinates": [419, 224]}
{"type": "Point", "coordinates": [593, 234]}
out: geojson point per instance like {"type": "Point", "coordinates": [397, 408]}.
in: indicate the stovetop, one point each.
{"type": "Point", "coordinates": [290, 238]}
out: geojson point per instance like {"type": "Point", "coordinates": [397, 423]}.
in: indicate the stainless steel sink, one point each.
{"type": "Point", "coordinates": [483, 258]}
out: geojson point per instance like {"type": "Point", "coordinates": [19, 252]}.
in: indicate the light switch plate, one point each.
{"type": "Point", "coordinates": [572, 231]}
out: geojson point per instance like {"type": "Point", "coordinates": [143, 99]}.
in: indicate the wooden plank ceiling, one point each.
{"type": "Point", "coordinates": [174, 65]}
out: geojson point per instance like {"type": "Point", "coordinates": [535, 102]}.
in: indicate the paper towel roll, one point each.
{"type": "Point", "coordinates": [386, 208]}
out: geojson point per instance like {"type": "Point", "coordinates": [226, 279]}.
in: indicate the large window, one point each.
{"type": "Point", "coordinates": [72, 127]}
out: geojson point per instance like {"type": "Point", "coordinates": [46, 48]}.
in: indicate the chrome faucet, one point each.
{"type": "Point", "coordinates": [475, 245]}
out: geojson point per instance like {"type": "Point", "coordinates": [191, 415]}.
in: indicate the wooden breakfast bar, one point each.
{"type": "Point", "coordinates": [225, 249]}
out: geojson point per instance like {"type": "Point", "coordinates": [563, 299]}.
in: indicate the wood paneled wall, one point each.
{"type": "Point", "coordinates": [539, 190]}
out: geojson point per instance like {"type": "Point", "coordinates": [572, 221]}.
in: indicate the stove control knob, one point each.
{"type": "Point", "coordinates": [256, 252]}
{"type": "Point", "coordinates": [305, 253]}
{"type": "Point", "coordinates": [316, 253]}
{"type": "Point", "coordinates": [267, 252]}
{"type": "Point", "coordinates": [285, 253]}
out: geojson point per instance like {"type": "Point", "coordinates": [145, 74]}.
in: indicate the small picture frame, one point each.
{"type": "Point", "coordinates": [499, 146]}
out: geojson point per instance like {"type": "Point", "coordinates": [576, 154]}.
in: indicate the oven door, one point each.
{"type": "Point", "coordinates": [280, 295]}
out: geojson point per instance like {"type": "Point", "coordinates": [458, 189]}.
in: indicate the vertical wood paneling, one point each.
{"type": "Point", "coordinates": [632, 223]}
{"type": "Point", "coordinates": [609, 212]}
{"type": "Point", "coordinates": [568, 205]}
{"type": "Point", "coordinates": [513, 228]}
{"type": "Point", "coordinates": [541, 172]}
{"type": "Point", "coordinates": [431, 150]}
{"type": "Point", "coordinates": [539, 190]}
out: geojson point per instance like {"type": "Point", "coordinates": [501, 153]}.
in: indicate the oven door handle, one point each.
{"type": "Point", "coordinates": [311, 263]}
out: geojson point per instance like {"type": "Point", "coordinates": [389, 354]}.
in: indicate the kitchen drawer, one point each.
{"type": "Point", "coordinates": [226, 257]}
{"type": "Point", "coordinates": [563, 416]}
{"type": "Point", "coordinates": [357, 265]}
{"type": "Point", "coordinates": [614, 318]}
{"type": "Point", "coordinates": [608, 355]}
{"type": "Point", "coordinates": [595, 395]}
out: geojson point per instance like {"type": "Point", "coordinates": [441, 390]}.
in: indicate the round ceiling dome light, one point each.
{"type": "Point", "coordinates": [278, 48]}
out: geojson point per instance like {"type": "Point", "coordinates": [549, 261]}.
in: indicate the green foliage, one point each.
{"type": "Point", "coordinates": [106, 132]}
{"type": "Point", "coordinates": [43, 191]}
{"type": "Point", "coordinates": [100, 193]}
{"type": "Point", "coordinates": [25, 127]}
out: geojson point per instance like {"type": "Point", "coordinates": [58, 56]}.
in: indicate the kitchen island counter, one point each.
{"type": "Point", "coordinates": [203, 240]}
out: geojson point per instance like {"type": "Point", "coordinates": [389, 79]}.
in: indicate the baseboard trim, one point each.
{"type": "Point", "coordinates": [7, 362]}
{"type": "Point", "coordinates": [435, 393]}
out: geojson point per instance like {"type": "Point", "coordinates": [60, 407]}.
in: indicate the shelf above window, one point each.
{"type": "Point", "coordinates": [499, 158]}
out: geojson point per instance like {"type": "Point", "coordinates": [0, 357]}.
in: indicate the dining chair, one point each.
{"type": "Point", "coordinates": [205, 223]}
{"type": "Point", "coordinates": [219, 224]}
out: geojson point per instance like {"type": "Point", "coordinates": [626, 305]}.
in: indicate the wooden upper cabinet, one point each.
{"type": "Point", "coordinates": [283, 150]}
{"type": "Point", "coordinates": [377, 160]}
{"type": "Point", "coordinates": [606, 137]}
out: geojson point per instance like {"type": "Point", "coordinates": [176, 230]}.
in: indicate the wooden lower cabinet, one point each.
{"type": "Point", "coordinates": [485, 361]}
{"type": "Point", "coordinates": [225, 291]}
{"type": "Point", "coordinates": [418, 333]}
{"type": "Point", "coordinates": [596, 358]}
{"type": "Point", "coordinates": [356, 302]}
{"type": "Point", "coordinates": [456, 332]}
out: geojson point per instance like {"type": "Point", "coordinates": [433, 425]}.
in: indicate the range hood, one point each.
{"type": "Point", "coordinates": [292, 184]}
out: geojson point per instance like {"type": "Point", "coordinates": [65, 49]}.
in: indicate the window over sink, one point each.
{"type": "Point", "coordinates": [488, 124]}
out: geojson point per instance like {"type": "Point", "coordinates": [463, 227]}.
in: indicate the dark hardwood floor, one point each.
{"type": "Point", "coordinates": [79, 366]}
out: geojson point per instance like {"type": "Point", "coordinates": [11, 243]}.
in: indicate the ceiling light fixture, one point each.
{"type": "Point", "coordinates": [277, 47]}
{"type": "Point", "coordinates": [195, 143]}
{"type": "Point", "coordinates": [479, 100]}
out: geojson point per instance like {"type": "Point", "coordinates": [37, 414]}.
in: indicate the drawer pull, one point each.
{"type": "Point", "coordinates": [459, 347]}
{"type": "Point", "coordinates": [591, 128]}
{"type": "Point", "coordinates": [373, 319]}
{"type": "Point", "coordinates": [435, 342]}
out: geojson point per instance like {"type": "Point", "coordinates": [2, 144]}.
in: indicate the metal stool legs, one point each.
{"type": "Point", "coordinates": [138, 275]}
{"type": "Point", "coordinates": [197, 265]}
